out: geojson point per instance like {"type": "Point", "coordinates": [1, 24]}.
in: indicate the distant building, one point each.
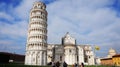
{"type": "Point", "coordinates": [116, 59]}
{"type": "Point", "coordinates": [11, 57]}
{"type": "Point", "coordinates": [39, 52]}
{"type": "Point", "coordinates": [112, 59]}
{"type": "Point", "coordinates": [111, 53]}
{"type": "Point", "coordinates": [98, 61]}
{"type": "Point", "coordinates": [106, 61]}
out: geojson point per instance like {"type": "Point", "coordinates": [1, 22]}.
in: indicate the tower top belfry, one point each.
{"type": "Point", "coordinates": [39, 5]}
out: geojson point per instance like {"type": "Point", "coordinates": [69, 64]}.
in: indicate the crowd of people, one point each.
{"type": "Point", "coordinates": [57, 64]}
{"type": "Point", "coordinates": [76, 65]}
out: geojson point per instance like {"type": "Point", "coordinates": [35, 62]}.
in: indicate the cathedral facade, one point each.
{"type": "Point", "coordinates": [39, 52]}
{"type": "Point", "coordinates": [70, 52]}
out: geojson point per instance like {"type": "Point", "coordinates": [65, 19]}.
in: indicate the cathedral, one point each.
{"type": "Point", "coordinates": [39, 52]}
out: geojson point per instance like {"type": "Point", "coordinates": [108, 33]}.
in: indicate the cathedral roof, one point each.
{"type": "Point", "coordinates": [67, 35]}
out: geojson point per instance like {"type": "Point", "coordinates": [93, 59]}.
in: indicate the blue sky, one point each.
{"type": "Point", "coordinates": [95, 22]}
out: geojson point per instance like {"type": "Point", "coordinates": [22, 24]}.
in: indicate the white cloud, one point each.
{"type": "Point", "coordinates": [11, 46]}
{"type": "Point", "coordinates": [13, 37]}
{"type": "Point", "coordinates": [5, 16]}
{"type": "Point", "coordinates": [22, 11]}
{"type": "Point", "coordinates": [6, 42]}
{"type": "Point", "coordinates": [90, 22]}
{"type": "Point", "coordinates": [78, 16]}
{"type": "Point", "coordinates": [18, 29]}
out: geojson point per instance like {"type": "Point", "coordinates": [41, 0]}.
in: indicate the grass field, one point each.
{"type": "Point", "coordinates": [22, 65]}
{"type": "Point", "coordinates": [19, 65]}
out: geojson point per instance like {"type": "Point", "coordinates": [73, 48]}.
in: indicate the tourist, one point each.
{"type": "Point", "coordinates": [57, 64]}
{"type": "Point", "coordinates": [82, 64]}
{"type": "Point", "coordinates": [75, 65]}
{"type": "Point", "coordinates": [65, 64]}
{"type": "Point", "coordinates": [53, 64]}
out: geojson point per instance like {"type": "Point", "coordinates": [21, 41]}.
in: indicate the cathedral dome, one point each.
{"type": "Point", "coordinates": [111, 52]}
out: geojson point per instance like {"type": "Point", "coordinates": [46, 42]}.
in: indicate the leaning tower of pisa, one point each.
{"type": "Point", "coordinates": [36, 47]}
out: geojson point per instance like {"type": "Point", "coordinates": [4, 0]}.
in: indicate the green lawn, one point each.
{"type": "Point", "coordinates": [99, 66]}
{"type": "Point", "coordinates": [96, 66]}
{"type": "Point", "coordinates": [19, 65]}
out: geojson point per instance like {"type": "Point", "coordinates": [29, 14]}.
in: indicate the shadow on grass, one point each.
{"type": "Point", "coordinates": [22, 65]}
{"type": "Point", "coordinates": [19, 65]}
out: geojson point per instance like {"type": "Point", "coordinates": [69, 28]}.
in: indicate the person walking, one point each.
{"type": "Point", "coordinates": [53, 64]}
{"type": "Point", "coordinates": [57, 64]}
{"type": "Point", "coordinates": [75, 65]}
{"type": "Point", "coordinates": [65, 64]}
{"type": "Point", "coordinates": [82, 64]}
